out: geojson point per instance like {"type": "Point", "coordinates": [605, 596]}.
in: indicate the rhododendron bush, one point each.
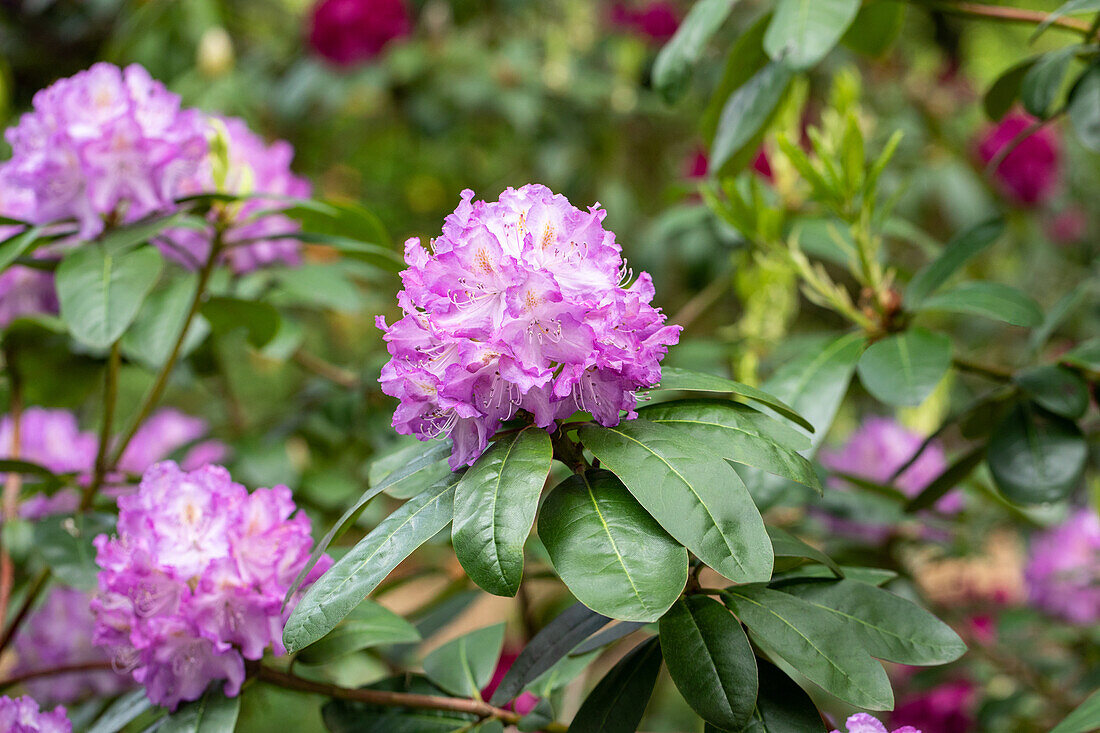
{"type": "Point", "coordinates": [738, 370]}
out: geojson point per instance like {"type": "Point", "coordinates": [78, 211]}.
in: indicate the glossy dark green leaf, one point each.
{"type": "Point", "coordinates": [745, 57]}
{"type": "Point", "coordinates": [428, 461]}
{"type": "Point", "coordinates": [876, 28]}
{"type": "Point", "coordinates": [952, 476]}
{"type": "Point", "coordinates": [343, 716]}
{"type": "Point", "coordinates": [782, 706]}
{"type": "Point", "coordinates": [495, 505]}
{"type": "Point", "coordinates": [226, 315]}
{"type": "Point", "coordinates": [890, 627]}
{"type": "Point", "coordinates": [812, 641]}
{"type": "Point", "coordinates": [211, 713]}
{"type": "Point", "coordinates": [1085, 356]}
{"type": "Point", "coordinates": [991, 300]}
{"type": "Point", "coordinates": [802, 32]}
{"type": "Point", "coordinates": [1003, 93]}
{"type": "Point", "coordinates": [465, 665]}
{"type": "Point", "coordinates": [1057, 389]}
{"type": "Point", "coordinates": [785, 544]}
{"type": "Point", "coordinates": [674, 378]}
{"type": "Point", "coordinates": [618, 701]}
{"type": "Point", "coordinates": [65, 543]}
{"type": "Point", "coordinates": [611, 555]}
{"type": "Point", "coordinates": [367, 626]}
{"type": "Point", "coordinates": [564, 671]}
{"type": "Point", "coordinates": [746, 113]}
{"type": "Point", "coordinates": [1084, 718]}
{"type": "Point", "coordinates": [1036, 457]}
{"type": "Point", "coordinates": [1044, 80]}
{"type": "Point", "coordinates": [709, 658]}
{"type": "Point", "coordinates": [100, 294]}
{"type": "Point", "coordinates": [903, 369]}
{"type": "Point", "coordinates": [1084, 108]}
{"type": "Point", "coordinates": [694, 495]}
{"type": "Point", "coordinates": [674, 64]}
{"type": "Point", "coordinates": [607, 636]}
{"type": "Point", "coordinates": [356, 574]}
{"type": "Point", "coordinates": [1069, 7]}
{"type": "Point", "coordinates": [155, 331]}
{"type": "Point", "coordinates": [121, 712]}
{"type": "Point", "coordinates": [549, 645]}
{"type": "Point", "coordinates": [955, 254]}
{"type": "Point", "coordinates": [872, 576]}
{"type": "Point", "coordinates": [722, 428]}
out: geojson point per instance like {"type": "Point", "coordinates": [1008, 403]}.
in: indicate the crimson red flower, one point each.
{"type": "Point", "coordinates": [348, 32]}
{"type": "Point", "coordinates": [1031, 172]}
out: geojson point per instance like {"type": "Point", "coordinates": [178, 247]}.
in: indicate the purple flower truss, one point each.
{"type": "Point", "coordinates": [194, 582]}
{"type": "Point", "coordinates": [521, 304]}
{"type": "Point", "coordinates": [1063, 571]}
{"type": "Point", "coordinates": [349, 32]}
{"type": "Point", "coordinates": [864, 723]}
{"type": "Point", "coordinates": [21, 715]}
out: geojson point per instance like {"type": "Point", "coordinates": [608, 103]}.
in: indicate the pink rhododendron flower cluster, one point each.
{"type": "Point", "coordinates": [519, 305]}
{"type": "Point", "coordinates": [57, 634]}
{"type": "Point", "coordinates": [656, 21]}
{"type": "Point", "coordinates": [347, 32]}
{"type": "Point", "coordinates": [864, 723]}
{"type": "Point", "coordinates": [24, 291]}
{"type": "Point", "coordinates": [1063, 572]}
{"type": "Point", "coordinates": [194, 583]}
{"type": "Point", "coordinates": [944, 708]}
{"type": "Point", "coordinates": [1031, 172]}
{"type": "Point", "coordinates": [21, 715]}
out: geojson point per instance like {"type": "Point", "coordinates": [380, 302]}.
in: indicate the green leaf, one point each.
{"type": "Point", "coordinates": [1067, 8]}
{"type": "Point", "coordinates": [992, 300]}
{"type": "Point", "coordinates": [211, 713]}
{"type": "Point", "coordinates": [150, 340]}
{"type": "Point", "coordinates": [381, 257]}
{"type": "Point", "coordinates": [674, 64]}
{"type": "Point", "coordinates": [360, 571]}
{"type": "Point", "coordinates": [1043, 81]}
{"type": "Point", "coordinates": [18, 245]}
{"type": "Point", "coordinates": [226, 315]}
{"type": "Point", "coordinates": [727, 417]}
{"type": "Point", "coordinates": [46, 479]}
{"type": "Point", "coordinates": [609, 635]}
{"type": "Point", "coordinates": [1085, 355]}
{"type": "Point", "coordinates": [65, 543]}
{"type": "Point", "coordinates": [1085, 718]}
{"type": "Point", "coordinates": [563, 672]}
{"type": "Point", "coordinates": [344, 716]}
{"type": "Point", "coordinates": [495, 505]}
{"type": "Point", "coordinates": [100, 294]}
{"type": "Point", "coordinates": [319, 284]}
{"type": "Point", "coordinates": [343, 218]}
{"type": "Point", "coordinates": [745, 113]}
{"type": "Point", "coordinates": [367, 626]}
{"type": "Point", "coordinates": [782, 706]}
{"type": "Point", "coordinates": [1084, 107]}
{"type": "Point", "coordinates": [802, 32]}
{"type": "Point", "coordinates": [955, 254]}
{"type": "Point", "coordinates": [416, 467]}
{"type": "Point", "coordinates": [1002, 94]}
{"type": "Point", "coordinates": [1056, 388]}
{"type": "Point", "coordinates": [673, 378]}
{"type": "Point", "coordinates": [1036, 457]}
{"type": "Point", "coordinates": [904, 369]}
{"type": "Point", "coordinates": [951, 477]}
{"type": "Point", "coordinates": [785, 544]}
{"type": "Point", "coordinates": [611, 555]}
{"type": "Point", "coordinates": [876, 28]}
{"type": "Point", "coordinates": [119, 240]}
{"type": "Point", "coordinates": [121, 712]}
{"type": "Point", "coordinates": [695, 496]}
{"type": "Point", "coordinates": [889, 626]}
{"type": "Point", "coordinates": [731, 431]}
{"type": "Point", "coordinates": [745, 57]}
{"type": "Point", "coordinates": [872, 576]}
{"type": "Point", "coordinates": [549, 645]}
{"type": "Point", "coordinates": [465, 665]}
{"type": "Point", "coordinates": [709, 658]}
{"type": "Point", "coordinates": [617, 703]}
{"type": "Point", "coordinates": [813, 642]}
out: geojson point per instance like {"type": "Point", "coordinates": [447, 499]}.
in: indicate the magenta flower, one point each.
{"type": "Point", "coordinates": [50, 438]}
{"type": "Point", "coordinates": [1063, 572]}
{"type": "Point", "coordinates": [165, 432]}
{"type": "Point", "coordinates": [523, 704]}
{"type": "Point", "coordinates": [25, 291]}
{"type": "Point", "coordinates": [59, 633]}
{"type": "Point", "coordinates": [519, 305]}
{"type": "Point", "coordinates": [348, 32]}
{"type": "Point", "coordinates": [105, 142]}
{"type": "Point", "coordinates": [943, 709]}
{"type": "Point", "coordinates": [194, 582]}
{"type": "Point", "coordinates": [656, 21]}
{"type": "Point", "coordinates": [1031, 172]}
{"type": "Point", "coordinates": [864, 723]}
{"type": "Point", "coordinates": [21, 715]}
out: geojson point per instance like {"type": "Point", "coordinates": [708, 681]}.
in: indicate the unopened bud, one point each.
{"type": "Point", "coordinates": [215, 54]}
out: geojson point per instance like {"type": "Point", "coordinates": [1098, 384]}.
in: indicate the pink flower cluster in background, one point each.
{"type": "Point", "coordinates": [1031, 172]}
{"type": "Point", "coordinates": [656, 21]}
{"type": "Point", "coordinates": [942, 709]}
{"type": "Point", "coordinates": [21, 715]}
{"type": "Point", "coordinates": [520, 304]}
{"type": "Point", "coordinates": [864, 723]}
{"type": "Point", "coordinates": [194, 582]}
{"type": "Point", "coordinates": [1063, 571]}
{"type": "Point", "coordinates": [347, 32]}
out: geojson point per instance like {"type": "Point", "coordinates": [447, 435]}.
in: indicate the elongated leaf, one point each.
{"type": "Point", "coordinates": [710, 660]}
{"type": "Point", "coordinates": [876, 28]}
{"type": "Point", "coordinates": [721, 428]}
{"type": "Point", "coordinates": [344, 716]}
{"type": "Point", "coordinates": [368, 625]}
{"type": "Point", "coordinates": [812, 641]}
{"type": "Point", "coordinates": [226, 315]}
{"type": "Point", "coordinates": [156, 328]}
{"type": "Point", "coordinates": [746, 113]}
{"type": "Point", "coordinates": [1085, 718]}
{"type": "Point", "coordinates": [1043, 81]}
{"type": "Point", "coordinates": [955, 254]}
{"type": "Point", "coordinates": [211, 713]}
{"type": "Point", "coordinates": [872, 576]}
{"type": "Point", "coordinates": [121, 712]}
{"type": "Point", "coordinates": [889, 626]}
{"type": "Point", "coordinates": [675, 62]}
{"type": "Point", "coordinates": [803, 31]}
{"type": "Point", "coordinates": [430, 466]}
{"type": "Point", "coordinates": [18, 245]}
{"type": "Point", "coordinates": [904, 369]}
{"type": "Point", "coordinates": [1085, 355]}
{"type": "Point", "coordinates": [695, 496]}
{"type": "Point", "coordinates": [65, 543]}
{"type": "Point", "coordinates": [609, 635]}
{"type": "Point", "coordinates": [122, 239]}
{"type": "Point", "coordinates": [951, 477]}
{"type": "Point", "coordinates": [45, 478]}
{"type": "Point", "coordinates": [745, 57]}
{"type": "Point", "coordinates": [100, 294]}
{"type": "Point", "coordinates": [992, 300]}
{"type": "Point", "coordinates": [464, 666]}
{"type": "Point", "coordinates": [553, 642]}
{"type": "Point", "coordinates": [683, 379]}
{"type": "Point", "coordinates": [731, 417]}
{"type": "Point", "coordinates": [1084, 107]}
{"type": "Point", "coordinates": [611, 555]}
{"type": "Point", "coordinates": [495, 505]}
{"type": "Point", "coordinates": [781, 707]}
{"type": "Point", "coordinates": [1067, 8]}
{"type": "Point", "coordinates": [373, 254]}
{"type": "Point", "coordinates": [360, 571]}
{"type": "Point", "coordinates": [1003, 93]}
{"type": "Point", "coordinates": [1056, 388]}
{"type": "Point", "coordinates": [785, 544]}
{"type": "Point", "coordinates": [1037, 457]}
{"type": "Point", "coordinates": [617, 703]}
{"type": "Point", "coordinates": [562, 673]}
